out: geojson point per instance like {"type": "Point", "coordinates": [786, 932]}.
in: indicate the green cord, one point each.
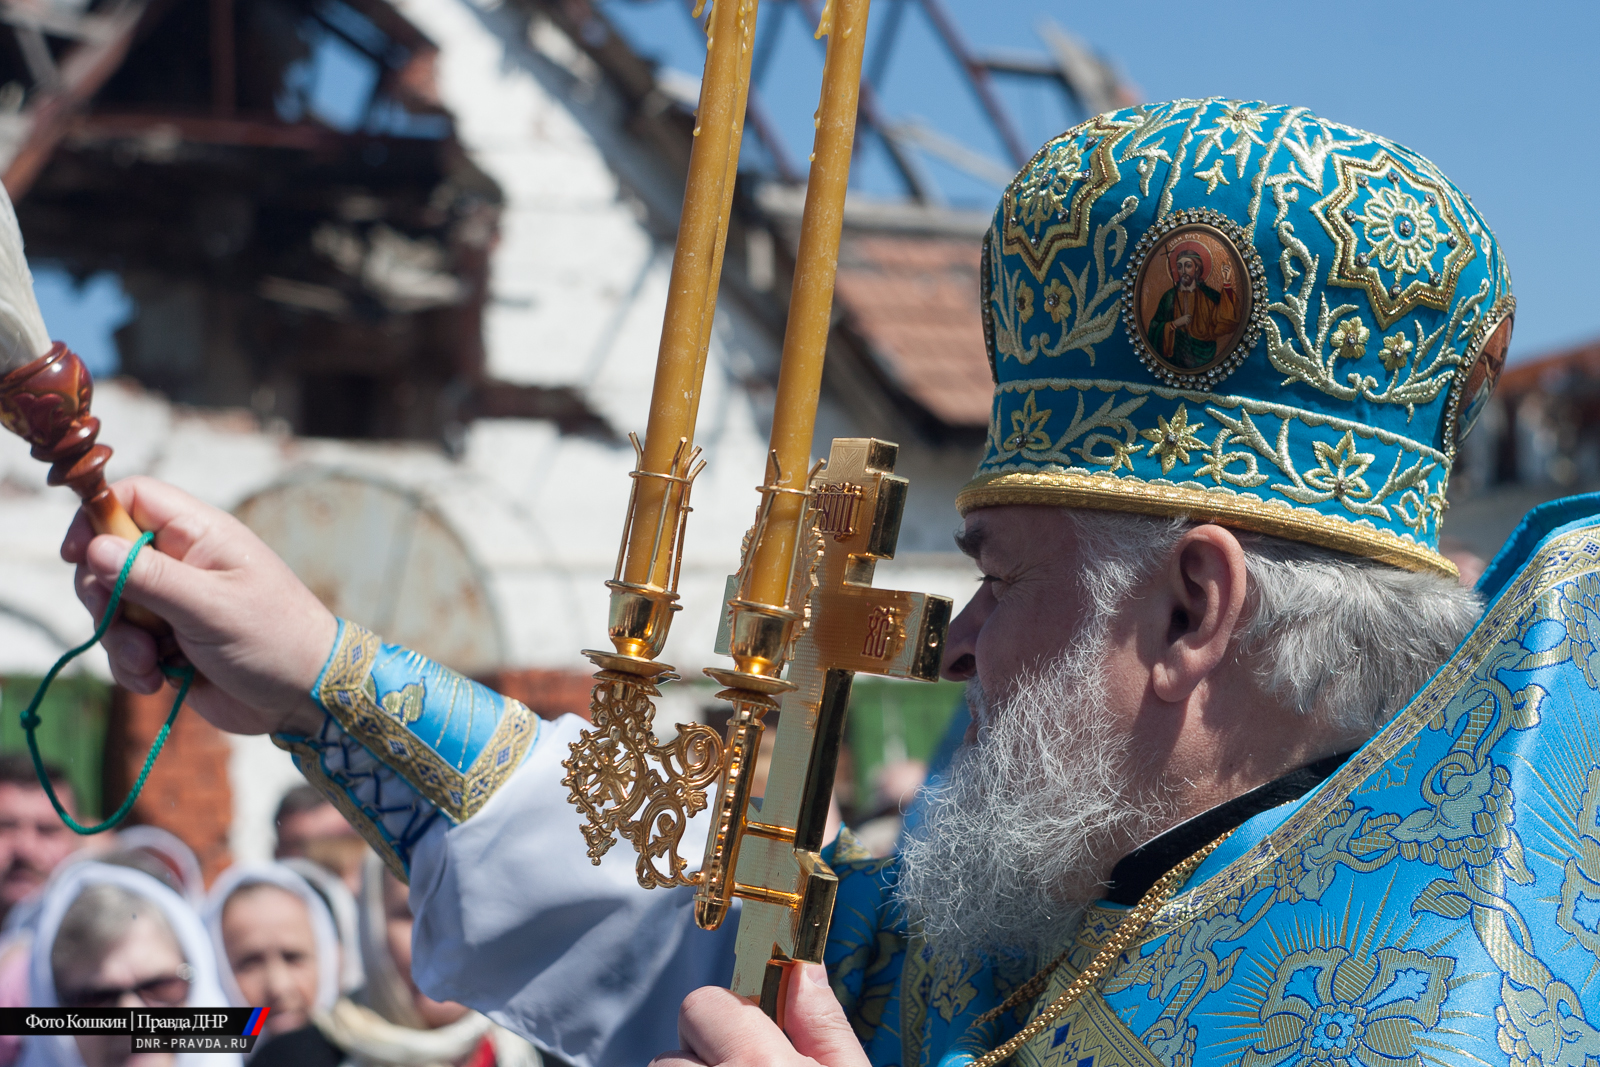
{"type": "Point", "coordinates": [31, 720]}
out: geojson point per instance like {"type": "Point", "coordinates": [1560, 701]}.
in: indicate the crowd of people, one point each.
{"type": "Point", "coordinates": [321, 936]}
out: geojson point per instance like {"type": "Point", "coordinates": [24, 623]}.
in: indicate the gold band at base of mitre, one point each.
{"type": "Point", "coordinates": [1067, 489]}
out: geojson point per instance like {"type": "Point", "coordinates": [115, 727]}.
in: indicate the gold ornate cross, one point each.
{"type": "Point", "coordinates": [788, 890]}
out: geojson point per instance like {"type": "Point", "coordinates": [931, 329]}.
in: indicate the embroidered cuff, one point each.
{"type": "Point", "coordinates": [453, 741]}
{"type": "Point", "coordinates": [381, 805]}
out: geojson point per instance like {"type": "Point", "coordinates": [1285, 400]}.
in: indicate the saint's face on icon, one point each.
{"type": "Point", "coordinates": [1481, 379]}
{"type": "Point", "coordinates": [1189, 268]}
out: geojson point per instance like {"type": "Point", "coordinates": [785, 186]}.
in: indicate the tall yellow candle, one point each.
{"type": "Point", "coordinates": [805, 342]}
{"type": "Point", "coordinates": [696, 271]}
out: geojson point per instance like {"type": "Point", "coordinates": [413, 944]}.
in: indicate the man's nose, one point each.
{"type": "Point", "coordinates": [960, 647]}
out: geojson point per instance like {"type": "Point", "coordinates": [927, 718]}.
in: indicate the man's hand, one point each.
{"type": "Point", "coordinates": [718, 1028]}
{"type": "Point", "coordinates": [1181, 321]}
{"type": "Point", "coordinates": [256, 635]}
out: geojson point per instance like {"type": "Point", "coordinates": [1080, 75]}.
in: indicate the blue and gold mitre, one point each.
{"type": "Point", "coordinates": [1242, 313]}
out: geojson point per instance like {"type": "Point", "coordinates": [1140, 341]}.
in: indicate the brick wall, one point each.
{"type": "Point", "coordinates": [548, 693]}
{"type": "Point", "coordinates": [187, 792]}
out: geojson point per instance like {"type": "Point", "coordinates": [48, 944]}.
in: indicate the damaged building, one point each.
{"type": "Point", "coordinates": [398, 272]}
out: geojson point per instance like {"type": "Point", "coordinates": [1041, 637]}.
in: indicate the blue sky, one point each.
{"type": "Point", "coordinates": [1503, 97]}
{"type": "Point", "coordinates": [84, 316]}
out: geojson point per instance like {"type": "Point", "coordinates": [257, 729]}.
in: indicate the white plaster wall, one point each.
{"type": "Point", "coordinates": [579, 287]}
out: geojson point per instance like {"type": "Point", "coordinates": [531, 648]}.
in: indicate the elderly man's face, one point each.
{"type": "Point", "coordinates": [1029, 606]}
{"type": "Point", "coordinates": [33, 841]}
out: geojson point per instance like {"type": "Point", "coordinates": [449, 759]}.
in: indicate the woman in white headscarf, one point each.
{"type": "Point", "coordinates": [109, 936]}
{"type": "Point", "coordinates": [276, 944]}
{"type": "Point", "coordinates": [169, 850]}
{"type": "Point", "coordinates": [394, 1024]}
{"type": "Point", "coordinates": [342, 906]}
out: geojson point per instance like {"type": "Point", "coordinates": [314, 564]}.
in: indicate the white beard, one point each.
{"type": "Point", "coordinates": [1022, 832]}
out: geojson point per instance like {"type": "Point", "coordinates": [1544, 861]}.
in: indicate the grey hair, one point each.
{"type": "Point", "coordinates": [96, 921]}
{"type": "Point", "coordinates": [1335, 637]}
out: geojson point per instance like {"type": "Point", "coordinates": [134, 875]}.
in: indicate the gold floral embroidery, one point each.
{"type": "Point", "coordinates": [1349, 340]}
{"type": "Point", "coordinates": [1024, 302]}
{"type": "Point", "coordinates": [1329, 1006]}
{"type": "Point", "coordinates": [1047, 209]}
{"type": "Point", "coordinates": [1121, 454]}
{"type": "Point", "coordinates": [1212, 176]}
{"type": "Point", "coordinates": [1173, 441]}
{"type": "Point", "coordinates": [1298, 354]}
{"type": "Point", "coordinates": [1087, 318]}
{"type": "Point", "coordinates": [952, 987]}
{"type": "Point", "coordinates": [1046, 187]}
{"type": "Point", "coordinates": [1240, 119]}
{"type": "Point", "coordinates": [1400, 230]}
{"type": "Point", "coordinates": [1396, 350]}
{"type": "Point", "coordinates": [1241, 454]}
{"type": "Point", "coordinates": [1579, 914]}
{"type": "Point", "coordinates": [1340, 468]}
{"type": "Point", "coordinates": [1057, 301]}
{"type": "Point", "coordinates": [1027, 428]}
{"type": "Point", "coordinates": [1404, 214]}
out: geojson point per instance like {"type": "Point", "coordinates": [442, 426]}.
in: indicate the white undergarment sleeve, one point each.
{"type": "Point", "coordinates": [514, 920]}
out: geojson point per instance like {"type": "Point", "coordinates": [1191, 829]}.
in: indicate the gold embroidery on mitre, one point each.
{"type": "Point", "coordinates": [1046, 209]}
{"type": "Point", "coordinates": [1406, 221]}
{"type": "Point", "coordinates": [1070, 489]}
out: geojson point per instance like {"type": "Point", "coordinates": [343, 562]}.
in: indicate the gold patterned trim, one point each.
{"type": "Point", "coordinates": [1561, 560]}
{"type": "Point", "coordinates": [345, 694]}
{"type": "Point", "coordinates": [1068, 489]}
{"type": "Point", "coordinates": [1051, 186]}
{"type": "Point", "coordinates": [309, 760]}
{"type": "Point", "coordinates": [1354, 270]}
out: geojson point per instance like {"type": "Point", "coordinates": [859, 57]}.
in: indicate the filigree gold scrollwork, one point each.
{"type": "Point", "coordinates": [612, 782]}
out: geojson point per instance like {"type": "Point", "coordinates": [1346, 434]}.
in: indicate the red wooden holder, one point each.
{"type": "Point", "coordinates": [46, 403]}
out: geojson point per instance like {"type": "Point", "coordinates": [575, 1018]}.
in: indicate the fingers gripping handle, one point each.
{"type": "Point", "coordinates": [108, 516]}
{"type": "Point", "coordinates": [46, 403]}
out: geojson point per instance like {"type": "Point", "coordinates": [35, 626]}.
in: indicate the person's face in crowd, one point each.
{"type": "Point", "coordinates": [266, 933]}
{"type": "Point", "coordinates": [144, 969]}
{"type": "Point", "coordinates": [33, 840]}
{"type": "Point", "coordinates": [322, 835]}
{"type": "Point", "coordinates": [397, 926]}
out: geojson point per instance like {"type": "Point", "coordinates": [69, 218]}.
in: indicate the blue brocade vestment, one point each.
{"type": "Point", "coordinates": [1436, 900]}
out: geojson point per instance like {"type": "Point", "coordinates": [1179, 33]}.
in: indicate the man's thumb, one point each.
{"type": "Point", "coordinates": [155, 581]}
{"type": "Point", "coordinates": [815, 1021]}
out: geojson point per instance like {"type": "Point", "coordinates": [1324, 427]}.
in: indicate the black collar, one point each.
{"type": "Point", "coordinates": [1140, 869]}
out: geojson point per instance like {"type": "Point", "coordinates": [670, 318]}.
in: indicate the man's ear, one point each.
{"type": "Point", "coordinates": [1201, 594]}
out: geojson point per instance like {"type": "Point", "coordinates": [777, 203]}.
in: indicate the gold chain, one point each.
{"type": "Point", "coordinates": [1132, 925]}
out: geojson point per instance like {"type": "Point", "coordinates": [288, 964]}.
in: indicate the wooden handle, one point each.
{"type": "Point", "coordinates": [46, 403]}
{"type": "Point", "coordinates": [108, 516]}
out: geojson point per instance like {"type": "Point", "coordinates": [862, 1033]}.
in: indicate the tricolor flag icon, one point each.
{"type": "Point", "coordinates": [258, 1018]}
